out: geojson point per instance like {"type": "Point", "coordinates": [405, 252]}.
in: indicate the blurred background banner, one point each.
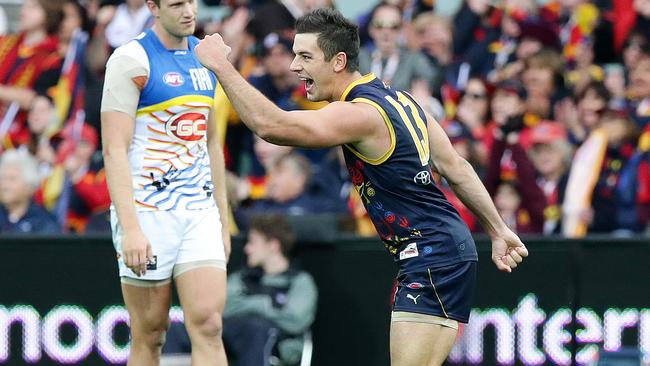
{"type": "Point", "coordinates": [60, 303]}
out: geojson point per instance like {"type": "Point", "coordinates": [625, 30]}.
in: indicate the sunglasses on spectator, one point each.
{"type": "Point", "coordinates": [386, 25]}
{"type": "Point", "coordinates": [475, 95]}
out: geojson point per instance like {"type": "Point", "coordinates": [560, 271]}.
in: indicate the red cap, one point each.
{"type": "Point", "coordinates": [71, 135]}
{"type": "Point", "coordinates": [84, 132]}
{"type": "Point", "coordinates": [548, 131]}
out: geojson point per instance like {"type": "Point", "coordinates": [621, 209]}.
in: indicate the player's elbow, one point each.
{"type": "Point", "coordinates": [110, 152]}
{"type": "Point", "coordinates": [266, 133]}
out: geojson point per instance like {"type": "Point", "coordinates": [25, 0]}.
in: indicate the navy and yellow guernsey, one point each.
{"type": "Point", "coordinates": [416, 223]}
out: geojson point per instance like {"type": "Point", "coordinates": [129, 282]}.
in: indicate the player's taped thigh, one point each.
{"type": "Point", "coordinates": [403, 316]}
{"type": "Point", "coordinates": [144, 283]}
{"type": "Point", "coordinates": [181, 268]}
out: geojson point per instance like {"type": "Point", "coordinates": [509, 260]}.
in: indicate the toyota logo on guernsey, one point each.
{"type": "Point", "coordinates": [173, 78]}
{"type": "Point", "coordinates": [188, 126]}
{"type": "Point", "coordinates": [422, 178]}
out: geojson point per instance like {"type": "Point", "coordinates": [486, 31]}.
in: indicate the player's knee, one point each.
{"type": "Point", "coordinates": [150, 334]}
{"type": "Point", "coordinates": [205, 324]}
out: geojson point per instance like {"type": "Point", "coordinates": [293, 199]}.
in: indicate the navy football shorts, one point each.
{"type": "Point", "coordinates": [446, 292]}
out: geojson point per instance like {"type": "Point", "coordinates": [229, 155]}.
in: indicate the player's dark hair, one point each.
{"type": "Point", "coordinates": [335, 34]}
{"type": "Point", "coordinates": [274, 226]}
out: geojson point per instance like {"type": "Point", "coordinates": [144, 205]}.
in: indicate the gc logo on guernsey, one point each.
{"type": "Point", "coordinates": [189, 126]}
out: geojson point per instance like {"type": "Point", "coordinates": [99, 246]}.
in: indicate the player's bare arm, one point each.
{"type": "Point", "coordinates": [507, 249]}
{"type": "Point", "coordinates": [117, 131]}
{"type": "Point", "coordinates": [218, 172]}
{"type": "Point", "coordinates": [336, 124]}
{"type": "Point", "coordinates": [118, 125]}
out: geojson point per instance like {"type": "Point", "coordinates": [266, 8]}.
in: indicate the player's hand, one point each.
{"type": "Point", "coordinates": [508, 251]}
{"type": "Point", "coordinates": [136, 250]}
{"type": "Point", "coordinates": [212, 51]}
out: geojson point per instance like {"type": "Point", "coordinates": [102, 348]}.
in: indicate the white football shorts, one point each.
{"type": "Point", "coordinates": [176, 237]}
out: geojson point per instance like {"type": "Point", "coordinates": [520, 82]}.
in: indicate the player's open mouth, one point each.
{"type": "Point", "coordinates": [308, 82]}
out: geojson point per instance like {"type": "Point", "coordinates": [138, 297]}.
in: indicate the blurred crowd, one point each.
{"type": "Point", "coordinates": [549, 102]}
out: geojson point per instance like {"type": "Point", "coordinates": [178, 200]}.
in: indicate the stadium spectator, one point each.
{"type": "Point", "coordinates": [639, 91]}
{"type": "Point", "coordinates": [491, 54]}
{"type": "Point", "coordinates": [580, 120]}
{"type": "Point", "coordinates": [621, 136]}
{"type": "Point", "coordinates": [40, 118]}
{"type": "Point", "coordinates": [277, 83]}
{"type": "Point", "coordinates": [252, 186]}
{"type": "Point", "coordinates": [551, 155]}
{"type": "Point", "coordinates": [77, 188]}
{"type": "Point", "coordinates": [584, 70]}
{"type": "Point", "coordinates": [508, 100]}
{"type": "Point", "coordinates": [616, 85]}
{"type": "Point", "coordinates": [435, 38]}
{"type": "Point", "coordinates": [30, 65]}
{"type": "Point", "coordinates": [470, 20]}
{"type": "Point", "coordinates": [590, 204]}
{"type": "Point", "coordinates": [129, 19]}
{"type": "Point", "coordinates": [75, 17]}
{"type": "Point", "coordinates": [387, 59]}
{"type": "Point", "coordinates": [288, 191]}
{"type": "Point", "coordinates": [516, 194]}
{"type": "Point", "coordinates": [271, 302]}
{"type": "Point", "coordinates": [634, 48]}
{"type": "Point", "coordinates": [19, 214]}
{"type": "Point", "coordinates": [473, 112]}
{"type": "Point", "coordinates": [543, 80]}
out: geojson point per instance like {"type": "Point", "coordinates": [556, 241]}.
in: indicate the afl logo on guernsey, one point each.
{"type": "Point", "coordinates": [173, 78]}
{"type": "Point", "coordinates": [189, 126]}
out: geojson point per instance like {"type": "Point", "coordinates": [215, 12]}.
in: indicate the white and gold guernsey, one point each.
{"type": "Point", "coordinates": [168, 155]}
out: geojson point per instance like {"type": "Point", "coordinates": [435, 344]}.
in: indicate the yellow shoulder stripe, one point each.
{"type": "Point", "coordinates": [364, 80]}
{"type": "Point", "coordinates": [201, 99]}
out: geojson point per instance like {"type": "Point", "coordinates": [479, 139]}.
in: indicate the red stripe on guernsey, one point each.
{"type": "Point", "coordinates": [148, 177]}
{"type": "Point", "coordinates": [187, 149]}
{"type": "Point", "coordinates": [165, 160]}
{"type": "Point", "coordinates": [146, 205]}
{"type": "Point", "coordinates": [169, 152]}
{"type": "Point", "coordinates": [156, 131]}
{"type": "Point", "coordinates": [155, 168]}
{"type": "Point", "coordinates": [195, 106]}
{"type": "Point", "coordinates": [157, 118]}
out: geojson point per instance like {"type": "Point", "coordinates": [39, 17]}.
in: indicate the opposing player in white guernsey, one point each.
{"type": "Point", "coordinates": [166, 177]}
